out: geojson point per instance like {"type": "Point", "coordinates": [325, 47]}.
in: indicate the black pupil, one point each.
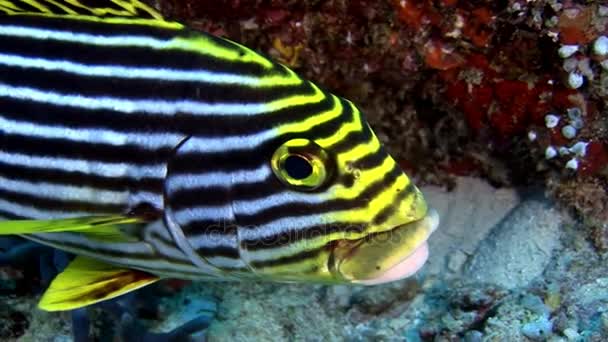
{"type": "Point", "coordinates": [297, 167]}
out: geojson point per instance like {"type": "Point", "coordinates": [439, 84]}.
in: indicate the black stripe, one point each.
{"type": "Point", "coordinates": [65, 148]}
{"type": "Point", "coordinates": [309, 233]}
{"type": "Point", "coordinates": [353, 139]}
{"type": "Point", "coordinates": [389, 210]}
{"type": "Point", "coordinates": [77, 178]}
{"type": "Point", "coordinates": [221, 251]}
{"type": "Point", "coordinates": [138, 89]}
{"type": "Point", "coordinates": [61, 204]}
{"type": "Point", "coordinates": [372, 160]}
{"type": "Point", "coordinates": [195, 229]}
{"type": "Point", "coordinates": [290, 259]}
{"type": "Point", "coordinates": [217, 195]}
{"type": "Point", "coordinates": [184, 199]}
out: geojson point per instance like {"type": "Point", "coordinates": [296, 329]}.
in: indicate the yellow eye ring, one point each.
{"type": "Point", "coordinates": [301, 164]}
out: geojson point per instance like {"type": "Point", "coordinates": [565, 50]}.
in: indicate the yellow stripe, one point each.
{"type": "Point", "coordinates": [353, 126]}
{"type": "Point", "coordinates": [130, 9]}
{"type": "Point", "coordinates": [134, 5]}
{"type": "Point", "coordinates": [301, 270]}
{"type": "Point", "coordinates": [206, 46]}
{"type": "Point", "coordinates": [273, 80]}
{"type": "Point", "coordinates": [297, 100]}
{"type": "Point", "coordinates": [8, 6]}
{"type": "Point", "coordinates": [65, 8]}
{"type": "Point", "coordinates": [170, 25]}
{"type": "Point", "coordinates": [376, 205]}
{"type": "Point", "coordinates": [311, 122]}
{"type": "Point", "coordinates": [37, 6]}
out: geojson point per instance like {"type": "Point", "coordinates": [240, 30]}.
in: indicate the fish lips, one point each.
{"type": "Point", "coordinates": [386, 256]}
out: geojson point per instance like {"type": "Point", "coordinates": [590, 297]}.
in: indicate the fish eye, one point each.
{"type": "Point", "coordinates": [297, 167]}
{"type": "Point", "coordinates": [301, 164]}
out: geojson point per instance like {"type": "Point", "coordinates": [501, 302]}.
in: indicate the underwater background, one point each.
{"type": "Point", "coordinates": [497, 108]}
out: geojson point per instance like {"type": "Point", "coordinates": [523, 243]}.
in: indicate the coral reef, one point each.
{"type": "Point", "coordinates": [453, 87]}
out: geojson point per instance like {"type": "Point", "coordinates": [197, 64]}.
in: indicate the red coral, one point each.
{"type": "Point", "coordinates": [437, 56]}
{"type": "Point", "coordinates": [595, 160]}
{"type": "Point", "coordinates": [477, 29]}
{"type": "Point", "coordinates": [575, 25]}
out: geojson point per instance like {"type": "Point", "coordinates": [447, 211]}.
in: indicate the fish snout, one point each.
{"type": "Point", "coordinates": [387, 256]}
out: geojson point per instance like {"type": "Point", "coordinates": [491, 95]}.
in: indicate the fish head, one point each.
{"type": "Point", "coordinates": [315, 202]}
{"type": "Point", "coordinates": [336, 208]}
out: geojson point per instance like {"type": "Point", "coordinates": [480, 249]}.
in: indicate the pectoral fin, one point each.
{"type": "Point", "coordinates": [87, 223]}
{"type": "Point", "coordinates": [104, 228]}
{"type": "Point", "coordinates": [87, 281]}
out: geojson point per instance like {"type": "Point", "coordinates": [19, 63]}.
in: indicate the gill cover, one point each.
{"type": "Point", "coordinates": [198, 207]}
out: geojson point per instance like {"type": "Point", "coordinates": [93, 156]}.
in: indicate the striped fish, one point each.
{"type": "Point", "coordinates": [151, 151]}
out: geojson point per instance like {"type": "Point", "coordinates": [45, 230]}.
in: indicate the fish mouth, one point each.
{"type": "Point", "coordinates": [386, 256]}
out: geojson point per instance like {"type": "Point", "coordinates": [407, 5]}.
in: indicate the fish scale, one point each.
{"type": "Point", "coordinates": [107, 108]}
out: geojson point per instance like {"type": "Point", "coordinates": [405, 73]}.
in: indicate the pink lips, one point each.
{"type": "Point", "coordinates": [412, 263]}
{"type": "Point", "coordinates": [403, 269]}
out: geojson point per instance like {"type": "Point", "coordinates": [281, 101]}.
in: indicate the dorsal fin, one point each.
{"type": "Point", "coordinates": [97, 8]}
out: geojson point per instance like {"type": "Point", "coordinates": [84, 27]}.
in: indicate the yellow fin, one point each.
{"type": "Point", "coordinates": [87, 281]}
{"type": "Point", "coordinates": [88, 224]}
{"type": "Point", "coordinates": [110, 8]}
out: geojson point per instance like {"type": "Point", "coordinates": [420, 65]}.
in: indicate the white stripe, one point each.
{"type": "Point", "coordinates": [282, 225]}
{"type": "Point", "coordinates": [210, 179]}
{"type": "Point", "coordinates": [91, 135]}
{"type": "Point", "coordinates": [90, 167]}
{"type": "Point", "coordinates": [154, 199]}
{"type": "Point", "coordinates": [213, 240]}
{"type": "Point", "coordinates": [254, 206]}
{"type": "Point", "coordinates": [64, 192]}
{"type": "Point", "coordinates": [141, 139]}
{"type": "Point", "coordinates": [228, 142]}
{"type": "Point", "coordinates": [165, 250]}
{"type": "Point", "coordinates": [218, 214]}
{"type": "Point", "coordinates": [129, 72]}
{"type": "Point", "coordinates": [132, 106]}
{"type": "Point", "coordinates": [90, 39]}
{"type": "Point", "coordinates": [227, 263]}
